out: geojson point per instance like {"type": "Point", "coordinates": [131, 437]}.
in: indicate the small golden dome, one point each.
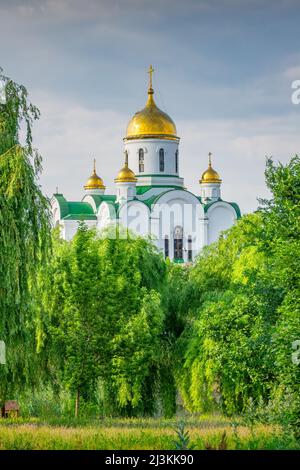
{"type": "Point", "coordinates": [125, 175]}
{"type": "Point", "coordinates": [94, 181]}
{"type": "Point", "coordinates": [210, 175]}
{"type": "Point", "coordinates": [151, 122]}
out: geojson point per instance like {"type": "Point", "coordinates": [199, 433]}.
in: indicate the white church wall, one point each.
{"type": "Point", "coordinates": [221, 216]}
{"type": "Point", "coordinates": [55, 210]}
{"type": "Point", "coordinates": [151, 156]}
{"type": "Point", "coordinates": [90, 200]}
{"type": "Point", "coordinates": [160, 180]}
{"type": "Point", "coordinates": [125, 191]}
{"type": "Point", "coordinates": [210, 191]}
{"type": "Point", "coordinates": [135, 216]}
{"type": "Point", "coordinates": [106, 215]}
{"type": "Point", "coordinates": [69, 227]}
{"type": "Point", "coordinates": [178, 209]}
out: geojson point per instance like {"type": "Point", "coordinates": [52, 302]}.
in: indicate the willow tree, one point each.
{"type": "Point", "coordinates": [103, 322]}
{"type": "Point", "coordinates": [24, 233]}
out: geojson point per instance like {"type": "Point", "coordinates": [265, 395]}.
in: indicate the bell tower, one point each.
{"type": "Point", "coordinates": [152, 145]}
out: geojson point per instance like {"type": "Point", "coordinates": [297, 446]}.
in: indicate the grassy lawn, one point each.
{"type": "Point", "coordinates": [205, 432]}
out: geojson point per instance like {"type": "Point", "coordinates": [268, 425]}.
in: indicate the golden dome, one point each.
{"type": "Point", "coordinates": [125, 175]}
{"type": "Point", "coordinates": [210, 175]}
{"type": "Point", "coordinates": [94, 181]}
{"type": "Point", "coordinates": [151, 122]}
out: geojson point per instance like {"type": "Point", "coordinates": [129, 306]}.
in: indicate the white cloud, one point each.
{"type": "Point", "coordinates": [69, 136]}
{"type": "Point", "coordinates": [293, 73]}
{"type": "Point", "coordinates": [239, 149]}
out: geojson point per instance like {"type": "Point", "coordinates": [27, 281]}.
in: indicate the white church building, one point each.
{"type": "Point", "coordinates": [150, 197]}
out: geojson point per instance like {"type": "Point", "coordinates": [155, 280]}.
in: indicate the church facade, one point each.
{"type": "Point", "coordinates": [150, 197]}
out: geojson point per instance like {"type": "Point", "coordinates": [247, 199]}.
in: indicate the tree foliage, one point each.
{"type": "Point", "coordinates": [24, 233]}
{"type": "Point", "coordinates": [245, 308]}
{"type": "Point", "coordinates": [103, 320]}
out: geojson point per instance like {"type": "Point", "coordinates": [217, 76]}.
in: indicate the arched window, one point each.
{"type": "Point", "coordinates": [190, 248]}
{"type": "Point", "coordinates": [176, 161]}
{"type": "Point", "coordinates": [141, 160]}
{"type": "Point", "coordinates": [161, 160]}
{"type": "Point", "coordinates": [166, 246]}
{"type": "Point", "coordinates": [178, 243]}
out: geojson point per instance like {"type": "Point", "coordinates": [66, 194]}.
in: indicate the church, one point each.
{"type": "Point", "coordinates": [150, 197]}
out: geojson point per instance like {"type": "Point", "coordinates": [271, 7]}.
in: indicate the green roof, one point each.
{"type": "Point", "coordinates": [63, 205]}
{"type": "Point", "coordinates": [80, 208]}
{"type": "Point", "coordinates": [74, 210]}
{"type": "Point", "coordinates": [233, 204]}
{"type": "Point", "coordinates": [80, 217]}
{"type": "Point", "coordinates": [209, 204]}
{"type": "Point", "coordinates": [237, 209]}
{"type": "Point", "coordinates": [99, 198]}
{"type": "Point", "coordinates": [150, 200]}
{"type": "Point", "coordinates": [144, 189]}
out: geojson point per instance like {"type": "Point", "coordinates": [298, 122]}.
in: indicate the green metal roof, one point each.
{"type": "Point", "coordinates": [63, 205]}
{"type": "Point", "coordinates": [209, 204]}
{"type": "Point", "coordinates": [99, 198]}
{"type": "Point", "coordinates": [74, 210]}
{"type": "Point", "coordinates": [237, 209]}
{"type": "Point", "coordinates": [80, 217]}
{"type": "Point", "coordinates": [154, 198]}
{"type": "Point", "coordinates": [80, 208]}
{"type": "Point", "coordinates": [143, 189]}
{"type": "Point", "coordinates": [233, 204]}
{"type": "Point", "coordinates": [150, 200]}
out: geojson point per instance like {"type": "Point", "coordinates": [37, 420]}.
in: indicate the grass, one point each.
{"type": "Point", "coordinates": [204, 432]}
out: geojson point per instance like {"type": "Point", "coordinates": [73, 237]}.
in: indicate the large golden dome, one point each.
{"type": "Point", "coordinates": [210, 175]}
{"type": "Point", "coordinates": [151, 122]}
{"type": "Point", "coordinates": [94, 181]}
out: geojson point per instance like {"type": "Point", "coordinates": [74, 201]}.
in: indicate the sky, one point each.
{"type": "Point", "coordinates": [223, 72]}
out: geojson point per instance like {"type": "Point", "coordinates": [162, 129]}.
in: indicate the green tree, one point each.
{"type": "Point", "coordinates": [227, 349]}
{"type": "Point", "coordinates": [282, 243]}
{"type": "Point", "coordinates": [244, 310]}
{"type": "Point", "coordinates": [24, 234]}
{"type": "Point", "coordinates": [102, 319]}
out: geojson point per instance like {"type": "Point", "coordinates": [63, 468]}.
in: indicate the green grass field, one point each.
{"type": "Point", "coordinates": [205, 432]}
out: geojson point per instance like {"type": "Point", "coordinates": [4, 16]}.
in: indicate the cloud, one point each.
{"type": "Point", "coordinates": [223, 72]}
{"type": "Point", "coordinates": [293, 73]}
{"type": "Point", "coordinates": [69, 136]}
{"type": "Point", "coordinates": [239, 150]}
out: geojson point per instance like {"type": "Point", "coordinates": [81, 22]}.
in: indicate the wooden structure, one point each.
{"type": "Point", "coordinates": [10, 409]}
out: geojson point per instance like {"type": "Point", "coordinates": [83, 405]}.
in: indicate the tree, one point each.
{"type": "Point", "coordinates": [24, 234]}
{"type": "Point", "coordinates": [227, 349]}
{"type": "Point", "coordinates": [102, 319]}
{"type": "Point", "coordinates": [244, 313]}
{"type": "Point", "coordinates": [282, 243]}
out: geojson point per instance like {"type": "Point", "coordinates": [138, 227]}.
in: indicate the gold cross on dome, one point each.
{"type": "Point", "coordinates": [94, 165]}
{"type": "Point", "coordinates": [150, 71]}
{"type": "Point", "coordinates": [209, 158]}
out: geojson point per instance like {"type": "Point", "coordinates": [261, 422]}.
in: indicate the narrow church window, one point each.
{"type": "Point", "coordinates": [176, 161]}
{"type": "Point", "coordinates": [190, 249]}
{"type": "Point", "coordinates": [141, 160]}
{"type": "Point", "coordinates": [166, 246]}
{"type": "Point", "coordinates": [178, 243]}
{"type": "Point", "coordinates": [161, 160]}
